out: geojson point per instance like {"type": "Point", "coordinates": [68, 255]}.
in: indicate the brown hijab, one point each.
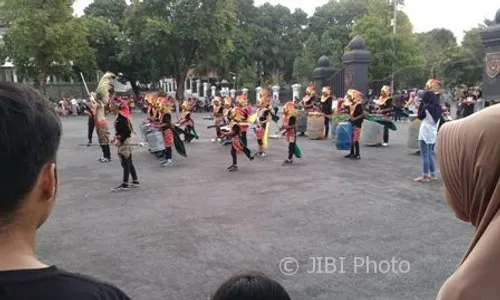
{"type": "Point", "coordinates": [469, 159]}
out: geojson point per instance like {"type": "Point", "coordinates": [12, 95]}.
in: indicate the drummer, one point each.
{"type": "Point", "coordinates": [385, 108]}
{"type": "Point", "coordinates": [326, 108]}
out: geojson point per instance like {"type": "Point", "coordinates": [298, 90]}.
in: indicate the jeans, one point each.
{"type": "Point", "coordinates": [128, 169]}
{"type": "Point", "coordinates": [426, 152]}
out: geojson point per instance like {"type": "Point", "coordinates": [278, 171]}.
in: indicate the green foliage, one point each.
{"type": "Point", "coordinates": [43, 38]}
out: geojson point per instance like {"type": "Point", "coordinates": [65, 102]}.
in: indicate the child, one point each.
{"type": "Point", "coordinates": [357, 115]}
{"type": "Point", "coordinates": [237, 145]}
{"type": "Point", "coordinates": [289, 121]}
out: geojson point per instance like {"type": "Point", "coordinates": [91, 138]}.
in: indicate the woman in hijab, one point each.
{"type": "Point", "coordinates": [429, 113]}
{"type": "Point", "coordinates": [470, 168]}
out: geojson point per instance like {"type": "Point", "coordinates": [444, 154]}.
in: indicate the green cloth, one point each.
{"type": "Point", "coordinates": [248, 152]}
{"type": "Point", "coordinates": [296, 151]}
{"type": "Point", "coordinates": [382, 121]}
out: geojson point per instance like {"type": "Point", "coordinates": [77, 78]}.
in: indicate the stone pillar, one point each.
{"type": "Point", "coordinates": [232, 93]}
{"type": "Point", "coordinates": [356, 63]}
{"type": "Point", "coordinates": [276, 96]}
{"type": "Point", "coordinates": [186, 88]}
{"type": "Point", "coordinates": [213, 88]}
{"type": "Point", "coordinates": [323, 73]}
{"type": "Point", "coordinates": [224, 92]}
{"type": "Point", "coordinates": [205, 89]}
{"type": "Point", "coordinates": [491, 78]}
{"type": "Point", "coordinates": [14, 75]}
{"type": "Point", "coordinates": [198, 87]}
{"type": "Point", "coordinates": [257, 92]}
{"type": "Point", "coordinates": [296, 92]}
{"type": "Point", "coordinates": [245, 92]}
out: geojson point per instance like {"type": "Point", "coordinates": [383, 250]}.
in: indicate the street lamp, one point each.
{"type": "Point", "coordinates": [234, 79]}
{"type": "Point", "coordinates": [394, 22]}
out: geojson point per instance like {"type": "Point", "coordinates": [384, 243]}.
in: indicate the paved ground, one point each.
{"type": "Point", "coordinates": [189, 228]}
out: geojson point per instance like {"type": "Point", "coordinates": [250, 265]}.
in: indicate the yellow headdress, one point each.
{"type": "Point", "coordinates": [310, 90]}
{"type": "Point", "coordinates": [217, 101]}
{"type": "Point", "coordinates": [433, 85]}
{"type": "Point", "coordinates": [354, 96]}
{"type": "Point", "coordinates": [385, 91]}
{"type": "Point", "coordinates": [265, 99]}
{"type": "Point", "coordinates": [290, 109]}
{"type": "Point", "coordinates": [264, 93]}
{"type": "Point", "coordinates": [326, 92]}
{"type": "Point", "coordinates": [241, 101]}
{"type": "Point", "coordinates": [186, 106]}
{"type": "Point", "coordinates": [165, 105]}
{"type": "Point", "coordinates": [227, 102]}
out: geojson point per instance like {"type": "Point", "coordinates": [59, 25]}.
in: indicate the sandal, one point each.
{"type": "Point", "coordinates": [421, 179]}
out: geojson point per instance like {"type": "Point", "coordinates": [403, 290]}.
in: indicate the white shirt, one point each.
{"type": "Point", "coordinates": [428, 129]}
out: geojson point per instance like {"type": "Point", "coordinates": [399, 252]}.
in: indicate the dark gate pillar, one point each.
{"type": "Point", "coordinates": [356, 64]}
{"type": "Point", "coordinates": [323, 73]}
{"type": "Point", "coordinates": [491, 80]}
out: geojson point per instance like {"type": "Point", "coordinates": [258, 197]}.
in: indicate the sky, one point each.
{"type": "Point", "coordinates": [425, 15]}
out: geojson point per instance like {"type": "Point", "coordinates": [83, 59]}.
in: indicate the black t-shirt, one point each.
{"type": "Point", "coordinates": [357, 112]}
{"type": "Point", "coordinates": [326, 107]}
{"type": "Point", "coordinates": [54, 284]}
{"type": "Point", "coordinates": [122, 127]}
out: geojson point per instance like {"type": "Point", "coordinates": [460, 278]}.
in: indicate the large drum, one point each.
{"type": "Point", "coordinates": [302, 121]}
{"type": "Point", "coordinates": [372, 133]}
{"type": "Point", "coordinates": [315, 125]}
{"type": "Point", "coordinates": [336, 119]}
{"type": "Point", "coordinates": [155, 141]}
{"type": "Point", "coordinates": [343, 136]}
{"type": "Point", "coordinates": [413, 129]}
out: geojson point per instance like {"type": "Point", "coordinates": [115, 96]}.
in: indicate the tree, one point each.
{"type": "Point", "coordinates": [43, 38]}
{"type": "Point", "coordinates": [392, 53]}
{"type": "Point", "coordinates": [437, 45]}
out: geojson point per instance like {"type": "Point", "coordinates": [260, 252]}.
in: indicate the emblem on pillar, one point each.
{"type": "Point", "coordinates": [492, 63]}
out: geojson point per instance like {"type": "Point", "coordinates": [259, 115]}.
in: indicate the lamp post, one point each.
{"type": "Point", "coordinates": [234, 79]}
{"type": "Point", "coordinates": [394, 22]}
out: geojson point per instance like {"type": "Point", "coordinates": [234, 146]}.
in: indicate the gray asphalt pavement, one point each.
{"type": "Point", "coordinates": [189, 228]}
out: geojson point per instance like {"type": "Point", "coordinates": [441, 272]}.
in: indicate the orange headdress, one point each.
{"type": "Point", "coordinates": [217, 101]}
{"type": "Point", "coordinates": [290, 109]}
{"type": "Point", "coordinates": [265, 99]}
{"type": "Point", "coordinates": [264, 93]}
{"type": "Point", "coordinates": [433, 85]}
{"type": "Point", "coordinates": [310, 90]}
{"type": "Point", "coordinates": [354, 96]}
{"type": "Point", "coordinates": [385, 91]}
{"type": "Point", "coordinates": [165, 105]}
{"type": "Point", "coordinates": [326, 92]}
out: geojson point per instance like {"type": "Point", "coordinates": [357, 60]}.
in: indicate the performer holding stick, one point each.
{"type": "Point", "coordinates": [263, 118]}
{"type": "Point", "coordinates": [102, 98]}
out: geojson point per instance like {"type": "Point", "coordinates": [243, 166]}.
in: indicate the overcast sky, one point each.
{"type": "Point", "coordinates": [424, 14]}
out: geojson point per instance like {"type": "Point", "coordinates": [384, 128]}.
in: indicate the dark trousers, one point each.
{"type": "Point", "coordinates": [234, 156]}
{"type": "Point", "coordinates": [291, 147]}
{"type": "Point", "coordinates": [168, 153]}
{"type": "Point", "coordinates": [91, 126]}
{"type": "Point", "coordinates": [327, 126]}
{"type": "Point", "coordinates": [397, 114]}
{"type": "Point", "coordinates": [106, 151]}
{"type": "Point", "coordinates": [244, 138]}
{"type": "Point", "coordinates": [128, 169]}
{"type": "Point", "coordinates": [386, 133]}
{"type": "Point", "coordinates": [275, 110]}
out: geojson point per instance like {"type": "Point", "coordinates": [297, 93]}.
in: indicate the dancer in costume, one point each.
{"type": "Point", "coordinates": [262, 122]}
{"type": "Point", "coordinates": [101, 100]}
{"type": "Point", "coordinates": [188, 123]}
{"type": "Point", "coordinates": [385, 109]}
{"type": "Point", "coordinates": [356, 115]}
{"type": "Point", "coordinates": [219, 118]}
{"type": "Point", "coordinates": [170, 136]}
{"type": "Point", "coordinates": [308, 100]}
{"type": "Point", "coordinates": [122, 139]}
{"type": "Point", "coordinates": [237, 144]}
{"type": "Point", "coordinates": [326, 108]}
{"type": "Point", "coordinates": [240, 116]}
{"type": "Point", "coordinates": [289, 121]}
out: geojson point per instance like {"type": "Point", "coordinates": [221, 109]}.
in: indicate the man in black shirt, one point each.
{"type": "Point", "coordinates": [30, 133]}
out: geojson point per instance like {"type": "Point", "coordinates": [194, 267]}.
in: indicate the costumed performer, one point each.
{"type": "Point", "coordinates": [237, 144]}
{"type": "Point", "coordinates": [122, 139]}
{"type": "Point", "coordinates": [188, 123]}
{"type": "Point", "coordinates": [385, 108]}
{"type": "Point", "coordinates": [308, 100]}
{"type": "Point", "coordinates": [263, 118]}
{"type": "Point", "coordinates": [102, 98]}
{"type": "Point", "coordinates": [326, 108]}
{"type": "Point", "coordinates": [170, 136]}
{"type": "Point", "coordinates": [240, 116]}
{"type": "Point", "coordinates": [356, 117]}
{"type": "Point", "coordinates": [219, 118]}
{"type": "Point", "coordinates": [290, 133]}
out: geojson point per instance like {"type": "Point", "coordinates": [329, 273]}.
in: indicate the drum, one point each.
{"type": "Point", "coordinates": [336, 119]}
{"type": "Point", "coordinates": [302, 121]}
{"type": "Point", "coordinates": [145, 128]}
{"type": "Point", "coordinates": [413, 129]}
{"type": "Point", "coordinates": [343, 136]}
{"type": "Point", "coordinates": [315, 125]}
{"type": "Point", "coordinates": [372, 133]}
{"type": "Point", "coordinates": [155, 141]}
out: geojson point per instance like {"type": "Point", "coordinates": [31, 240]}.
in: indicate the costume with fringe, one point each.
{"type": "Point", "coordinates": [290, 132]}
